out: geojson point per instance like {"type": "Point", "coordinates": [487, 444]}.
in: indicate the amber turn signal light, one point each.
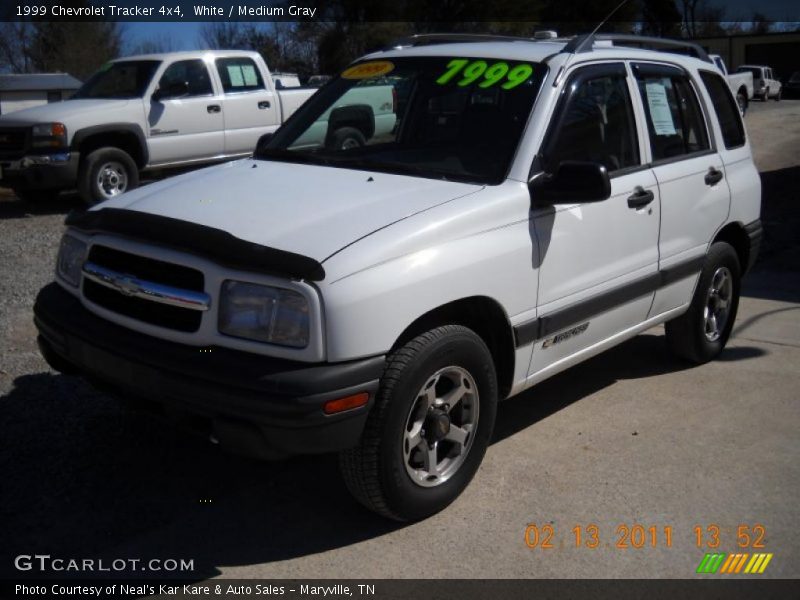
{"type": "Point", "coordinates": [347, 403]}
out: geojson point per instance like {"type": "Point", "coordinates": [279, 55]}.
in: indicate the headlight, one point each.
{"type": "Point", "coordinates": [71, 255]}
{"type": "Point", "coordinates": [49, 135]}
{"type": "Point", "coordinates": [264, 313]}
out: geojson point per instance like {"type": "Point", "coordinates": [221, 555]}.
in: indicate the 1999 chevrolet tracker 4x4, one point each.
{"type": "Point", "coordinates": [536, 203]}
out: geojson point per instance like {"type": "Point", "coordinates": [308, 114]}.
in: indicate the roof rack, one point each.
{"type": "Point", "coordinates": [584, 43]}
{"type": "Point", "coordinates": [428, 39]}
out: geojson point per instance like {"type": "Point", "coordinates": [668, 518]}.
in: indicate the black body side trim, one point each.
{"type": "Point", "coordinates": [540, 328]}
{"type": "Point", "coordinates": [681, 271]}
{"type": "Point", "coordinates": [208, 242]}
{"type": "Point", "coordinates": [132, 128]}
{"type": "Point", "coordinates": [754, 231]}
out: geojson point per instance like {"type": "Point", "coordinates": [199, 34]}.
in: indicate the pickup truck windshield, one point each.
{"type": "Point", "coordinates": [441, 117]}
{"type": "Point", "coordinates": [125, 79]}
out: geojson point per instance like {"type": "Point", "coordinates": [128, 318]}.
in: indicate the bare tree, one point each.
{"type": "Point", "coordinates": [15, 43]}
{"type": "Point", "coordinates": [760, 23]}
{"type": "Point", "coordinates": [224, 36]}
{"type": "Point", "coordinates": [153, 45]}
{"type": "Point", "coordinates": [78, 48]}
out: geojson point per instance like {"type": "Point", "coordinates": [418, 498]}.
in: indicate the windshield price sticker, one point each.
{"type": "Point", "coordinates": [366, 70]}
{"type": "Point", "coordinates": [484, 74]}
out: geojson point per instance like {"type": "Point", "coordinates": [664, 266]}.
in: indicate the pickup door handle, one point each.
{"type": "Point", "coordinates": [214, 108]}
{"type": "Point", "coordinates": [264, 104]}
{"type": "Point", "coordinates": [713, 177]}
{"type": "Point", "coordinates": [640, 198]}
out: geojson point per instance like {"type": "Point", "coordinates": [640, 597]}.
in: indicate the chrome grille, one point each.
{"type": "Point", "coordinates": [148, 290]}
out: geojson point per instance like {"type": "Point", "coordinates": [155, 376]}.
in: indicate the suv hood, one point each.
{"type": "Point", "coordinates": [306, 209]}
{"type": "Point", "coordinates": [62, 111]}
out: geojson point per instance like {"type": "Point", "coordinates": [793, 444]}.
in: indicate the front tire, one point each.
{"type": "Point", "coordinates": [105, 174]}
{"type": "Point", "coordinates": [429, 428]}
{"type": "Point", "coordinates": [700, 334]}
{"type": "Point", "coordinates": [778, 95]}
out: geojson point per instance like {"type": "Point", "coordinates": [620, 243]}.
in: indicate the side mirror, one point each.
{"type": "Point", "coordinates": [263, 141]}
{"type": "Point", "coordinates": [175, 90]}
{"type": "Point", "coordinates": [573, 182]}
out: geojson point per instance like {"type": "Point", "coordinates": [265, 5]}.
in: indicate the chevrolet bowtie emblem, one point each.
{"type": "Point", "coordinates": [127, 286]}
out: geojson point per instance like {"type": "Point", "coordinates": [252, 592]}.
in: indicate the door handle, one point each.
{"type": "Point", "coordinates": [264, 104]}
{"type": "Point", "coordinates": [713, 177]}
{"type": "Point", "coordinates": [640, 198]}
{"type": "Point", "coordinates": [214, 108]}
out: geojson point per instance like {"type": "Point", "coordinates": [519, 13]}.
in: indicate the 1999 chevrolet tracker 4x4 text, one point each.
{"type": "Point", "coordinates": [535, 203]}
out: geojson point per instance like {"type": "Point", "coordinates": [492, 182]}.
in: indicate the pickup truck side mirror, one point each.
{"type": "Point", "coordinates": [174, 90]}
{"type": "Point", "coordinates": [572, 182]}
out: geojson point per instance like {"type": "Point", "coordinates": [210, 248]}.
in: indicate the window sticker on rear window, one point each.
{"type": "Point", "coordinates": [660, 113]}
{"type": "Point", "coordinates": [484, 74]}
{"type": "Point", "coordinates": [235, 75]}
{"type": "Point", "coordinates": [250, 77]}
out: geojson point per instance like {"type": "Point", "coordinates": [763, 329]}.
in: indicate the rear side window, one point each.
{"type": "Point", "coordinates": [191, 72]}
{"type": "Point", "coordinates": [239, 74]}
{"type": "Point", "coordinates": [597, 122]}
{"type": "Point", "coordinates": [674, 118]}
{"type": "Point", "coordinates": [725, 106]}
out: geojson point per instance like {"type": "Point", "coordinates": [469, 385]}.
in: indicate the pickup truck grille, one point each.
{"type": "Point", "coordinates": [13, 142]}
{"type": "Point", "coordinates": [142, 309]}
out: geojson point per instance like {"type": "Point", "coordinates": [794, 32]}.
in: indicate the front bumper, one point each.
{"type": "Point", "coordinates": [45, 172]}
{"type": "Point", "coordinates": [253, 405]}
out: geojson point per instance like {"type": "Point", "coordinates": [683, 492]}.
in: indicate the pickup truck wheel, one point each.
{"type": "Point", "coordinates": [107, 173]}
{"type": "Point", "coordinates": [741, 100]}
{"type": "Point", "coordinates": [778, 95]}
{"type": "Point", "coordinates": [347, 138]}
{"type": "Point", "coordinates": [429, 428]}
{"type": "Point", "coordinates": [701, 333]}
{"type": "Point", "coordinates": [765, 97]}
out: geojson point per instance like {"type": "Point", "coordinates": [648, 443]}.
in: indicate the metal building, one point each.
{"type": "Point", "coordinates": [24, 91]}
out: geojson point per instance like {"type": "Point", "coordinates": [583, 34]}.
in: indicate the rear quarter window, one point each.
{"type": "Point", "coordinates": [730, 121]}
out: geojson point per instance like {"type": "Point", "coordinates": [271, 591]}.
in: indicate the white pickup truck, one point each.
{"type": "Point", "coordinates": [765, 82]}
{"type": "Point", "coordinates": [741, 83]}
{"type": "Point", "coordinates": [536, 203]}
{"type": "Point", "coordinates": [143, 113]}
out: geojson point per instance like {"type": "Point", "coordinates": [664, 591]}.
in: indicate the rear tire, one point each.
{"type": "Point", "coordinates": [701, 333]}
{"type": "Point", "coordinates": [346, 138]}
{"type": "Point", "coordinates": [105, 174]}
{"type": "Point", "coordinates": [741, 101]}
{"type": "Point", "coordinates": [430, 426]}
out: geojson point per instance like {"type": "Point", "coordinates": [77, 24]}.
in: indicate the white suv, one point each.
{"type": "Point", "coordinates": [536, 203]}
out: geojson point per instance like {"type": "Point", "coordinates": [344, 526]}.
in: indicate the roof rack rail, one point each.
{"type": "Point", "coordinates": [584, 43]}
{"type": "Point", "coordinates": [427, 39]}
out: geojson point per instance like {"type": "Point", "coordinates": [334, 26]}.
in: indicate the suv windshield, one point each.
{"type": "Point", "coordinates": [125, 79]}
{"type": "Point", "coordinates": [441, 117]}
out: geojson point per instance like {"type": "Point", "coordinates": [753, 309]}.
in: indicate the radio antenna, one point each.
{"type": "Point", "coordinates": [586, 39]}
{"type": "Point", "coordinates": [608, 16]}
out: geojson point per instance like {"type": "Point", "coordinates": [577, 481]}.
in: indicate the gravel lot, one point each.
{"type": "Point", "coordinates": [631, 436]}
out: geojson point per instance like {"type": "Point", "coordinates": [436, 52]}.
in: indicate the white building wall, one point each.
{"type": "Point", "coordinates": [13, 101]}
